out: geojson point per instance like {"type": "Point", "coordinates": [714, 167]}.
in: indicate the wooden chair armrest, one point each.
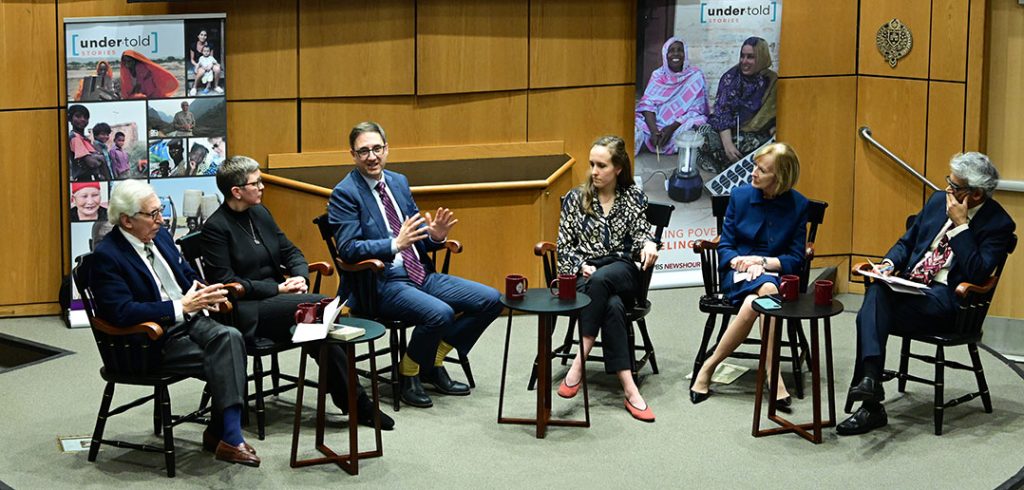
{"type": "Point", "coordinates": [966, 288]}
{"type": "Point", "coordinates": [809, 251]}
{"type": "Point", "coordinates": [235, 290]}
{"type": "Point", "coordinates": [855, 273]}
{"type": "Point", "coordinates": [453, 246]}
{"type": "Point", "coordinates": [150, 329]}
{"type": "Point", "coordinates": [702, 245]}
{"type": "Point", "coordinates": [542, 247]}
{"type": "Point", "coordinates": [324, 268]}
{"type": "Point", "coordinates": [374, 265]}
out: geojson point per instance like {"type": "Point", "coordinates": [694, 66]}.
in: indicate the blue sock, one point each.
{"type": "Point", "coordinates": [233, 425]}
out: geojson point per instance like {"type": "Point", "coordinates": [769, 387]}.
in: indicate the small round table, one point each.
{"type": "Point", "coordinates": [547, 307]}
{"type": "Point", "coordinates": [348, 462]}
{"type": "Point", "coordinates": [803, 308]}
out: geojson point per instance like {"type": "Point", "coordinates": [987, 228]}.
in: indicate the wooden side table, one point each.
{"type": "Point", "coordinates": [801, 309]}
{"type": "Point", "coordinates": [547, 307]}
{"type": "Point", "coordinates": [348, 462]}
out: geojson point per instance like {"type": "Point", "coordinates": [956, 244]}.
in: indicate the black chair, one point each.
{"type": "Point", "coordinates": [658, 215]}
{"type": "Point", "coordinates": [256, 347]}
{"type": "Point", "coordinates": [363, 277]}
{"type": "Point", "coordinates": [715, 303]}
{"type": "Point", "coordinates": [972, 307]}
{"type": "Point", "coordinates": [131, 356]}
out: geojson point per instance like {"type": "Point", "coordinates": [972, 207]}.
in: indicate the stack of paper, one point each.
{"type": "Point", "coordinates": [347, 333]}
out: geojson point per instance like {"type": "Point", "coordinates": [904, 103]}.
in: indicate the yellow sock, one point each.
{"type": "Point", "coordinates": [442, 350]}
{"type": "Point", "coordinates": [408, 367]}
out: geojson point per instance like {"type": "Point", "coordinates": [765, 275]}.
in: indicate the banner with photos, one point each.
{"type": "Point", "coordinates": [705, 103]}
{"type": "Point", "coordinates": [146, 101]}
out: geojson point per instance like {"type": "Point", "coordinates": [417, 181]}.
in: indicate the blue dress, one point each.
{"type": "Point", "coordinates": [754, 225]}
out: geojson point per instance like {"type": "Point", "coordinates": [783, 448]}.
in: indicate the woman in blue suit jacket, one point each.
{"type": "Point", "coordinates": [763, 236]}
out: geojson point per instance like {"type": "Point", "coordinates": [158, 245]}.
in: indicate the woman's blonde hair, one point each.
{"type": "Point", "coordinates": [787, 165]}
{"type": "Point", "coordinates": [620, 159]}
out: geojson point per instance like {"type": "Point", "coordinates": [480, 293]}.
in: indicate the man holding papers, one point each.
{"type": "Point", "coordinates": [961, 235]}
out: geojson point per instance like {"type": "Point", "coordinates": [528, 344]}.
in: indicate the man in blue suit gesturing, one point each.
{"type": "Point", "coordinates": [375, 217]}
{"type": "Point", "coordinates": [961, 235]}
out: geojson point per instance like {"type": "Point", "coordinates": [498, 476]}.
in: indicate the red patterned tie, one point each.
{"type": "Point", "coordinates": [412, 264]}
{"type": "Point", "coordinates": [932, 263]}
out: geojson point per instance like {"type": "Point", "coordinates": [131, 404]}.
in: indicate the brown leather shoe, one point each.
{"type": "Point", "coordinates": [235, 454]}
{"type": "Point", "coordinates": [210, 443]}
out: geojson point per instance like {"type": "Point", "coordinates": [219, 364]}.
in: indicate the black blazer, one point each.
{"type": "Point", "coordinates": [231, 255]}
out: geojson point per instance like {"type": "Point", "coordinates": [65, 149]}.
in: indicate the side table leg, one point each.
{"type": "Point", "coordinates": [583, 378]}
{"type": "Point", "coordinates": [504, 367]}
{"type": "Point", "coordinates": [543, 375]}
{"type": "Point", "coordinates": [321, 396]}
{"type": "Point", "coordinates": [298, 405]}
{"type": "Point", "coordinates": [759, 385]}
{"type": "Point", "coordinates": [375, 390]}
{"type": "Point", "coordinates": [828, 372]}
{"type": "Point", "coordinates": [816, 381]}
{"type": "Point", "coordinates": [353, 428]}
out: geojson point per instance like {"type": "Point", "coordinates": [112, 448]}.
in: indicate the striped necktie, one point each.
{"type": "Point", "coordinates": [412, 264]}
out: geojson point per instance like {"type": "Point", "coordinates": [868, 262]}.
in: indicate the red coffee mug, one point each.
{"type": "Point", "coordinates": [305, 313]}
{"type": "Point", "coordinates": [823, 292]}
{"type": "Point", "coordinates": [320, 307]}
{"type": "Point", "coordinates": [566, 284]}
{"type": "Point", "coordinates": [789, 288]}
{"type": "Point", "coordinates": [516, 286]}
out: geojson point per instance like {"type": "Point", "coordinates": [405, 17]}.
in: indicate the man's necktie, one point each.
{"type": "Point", "coordinates": [412, 264]}
{"type": "Point", "coordinates": [167, 281]}
{"type": "Point", "coordinates": [933, 262]}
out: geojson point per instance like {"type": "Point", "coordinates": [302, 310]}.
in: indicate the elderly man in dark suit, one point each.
{"type": "Point", "coordinates": [376, 217]}
{"type": "Point", "coordinates": [139, 276]}
{"type": "Point", "coordinates": [242, 243]}
{"type": "Point", "coordinates": [961, 235]}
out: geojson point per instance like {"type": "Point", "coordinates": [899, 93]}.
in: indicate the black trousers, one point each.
{"type": "Point", "coordinates": [276, 316]}
{"type": "Point", "coordinates": [612, 289]}
{"type": "Point", "coordinates": [202, 348]}
{"type": "Point", "coordinates": [885, 311]}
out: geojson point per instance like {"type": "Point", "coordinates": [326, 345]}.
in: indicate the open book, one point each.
{"type": "Point", "coordinates": [898, 284]}
{"type": "Point", "coordinates": [306, 332]}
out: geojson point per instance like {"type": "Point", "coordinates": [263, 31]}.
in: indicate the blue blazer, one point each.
{"type": "Point", "coordinates": [126, 293]}
{"type": "Point", "coordinates": [977, 251]}
{"type": "Point", "coordinates": [360, 230]}
{"type": "Point", "coordinates": [749, 212]}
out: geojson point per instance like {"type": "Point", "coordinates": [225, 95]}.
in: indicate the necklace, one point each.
{"type": "Point", "coordinates": [252, 231]}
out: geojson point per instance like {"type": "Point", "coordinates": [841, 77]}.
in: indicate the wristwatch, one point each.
{"type": "Point", "coordinates": [764, 262]}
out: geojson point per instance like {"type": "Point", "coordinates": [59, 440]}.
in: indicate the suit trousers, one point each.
{"type": "Point", "coordinates": [276, 318]}
{"type": "Point", "coordinates": [202, 348]}
{"type": "Point", "coordinates": [885, 311]}
{"type": "Point", "coordinates": [433, 306]}
{"type": "Point", "coordinates": [612, 289]}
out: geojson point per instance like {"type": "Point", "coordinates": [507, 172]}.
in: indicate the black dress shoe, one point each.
{"type": "Point", "coordinates": [442, 383]}
{"type": "Point", "coordinates": [862, 421]}
{"type": "Point", "coordinates": [413, 392]}
{"type": "Point", "coordinates": [696, 398]}
{"type": "Point", "coordinates": [868, 390]}
{"type": "Point", "coordinates": [784, 405]}
{"type": "Point", "coordinates": [365, 412]}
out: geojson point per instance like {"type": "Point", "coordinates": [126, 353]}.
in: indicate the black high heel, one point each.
{"type": "Point", "coordinates": [696, 398]}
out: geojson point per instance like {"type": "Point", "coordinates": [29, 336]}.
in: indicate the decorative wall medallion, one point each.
{"type": "Point", "coordinates": [894, 41]}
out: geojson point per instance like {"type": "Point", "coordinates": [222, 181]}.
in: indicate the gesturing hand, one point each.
{"type": "Point", "coordinates": [440, 224]}
{"type": "Point", "coordinates": [412, 231]}
{"type": "Point", "coordinates": [198, 298]}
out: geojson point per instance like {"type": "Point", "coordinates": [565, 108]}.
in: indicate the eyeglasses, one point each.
{"type": "Point", "coordinates": [154, 214]}
{"type": "Point", "coordinates": [256, 183]}
{"type": "Point", "coordinates": [364, 153]}
{"type": "Point", "coordinates": [956, 188]}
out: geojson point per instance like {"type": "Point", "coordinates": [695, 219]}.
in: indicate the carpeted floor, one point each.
{"type": "Point", "coordinates": [457, 443]}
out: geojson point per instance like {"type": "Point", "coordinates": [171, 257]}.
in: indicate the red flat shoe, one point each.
{"type": "Point", "coordinates": [566, 391]}
{"type": "Point", "coordinates": [645, 415]}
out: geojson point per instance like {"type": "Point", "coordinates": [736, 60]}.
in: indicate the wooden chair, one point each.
{"type": "Point", "coordinates": [973, 301]}
{"type": "Point", "coordinates": [658, 215]}
{"type": "Point", "coordinates": [715, 303]}
{"type": "Point", "coordinates": [131, 356]}
{"type": "Point", "coordinates": [363, 278]}
{"type": "Point", "coordinates": [256, 347]}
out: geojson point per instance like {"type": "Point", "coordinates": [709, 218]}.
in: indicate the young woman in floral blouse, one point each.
{"type": "Point", "coordinates": [602, 238]}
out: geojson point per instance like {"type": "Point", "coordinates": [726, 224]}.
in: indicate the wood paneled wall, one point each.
{"type": "Point", "coordinates": [462, 72]}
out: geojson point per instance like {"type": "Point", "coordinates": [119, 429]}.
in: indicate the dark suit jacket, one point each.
{"type": "Point", "coordinates": [977, 251]}
{"type": "Point", "coordinates": [126, 293]}
{"type": "Point", "coordinates": [231, 255]}
{"type": "Point", "coordinates": [360, 230]}
{"type": "Point", "coordinates": [748, 212]}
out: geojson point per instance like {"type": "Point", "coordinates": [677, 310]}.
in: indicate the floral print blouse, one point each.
{"type": "Point", "coordinates": [622, 231]}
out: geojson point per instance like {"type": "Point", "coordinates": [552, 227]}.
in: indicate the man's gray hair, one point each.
{"type": "Point", "coordinates": [235, 172]}
{"type": "Point", "coordinates": [126, 199]}
{"type": "Point", "coordinates": [977, 170]}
